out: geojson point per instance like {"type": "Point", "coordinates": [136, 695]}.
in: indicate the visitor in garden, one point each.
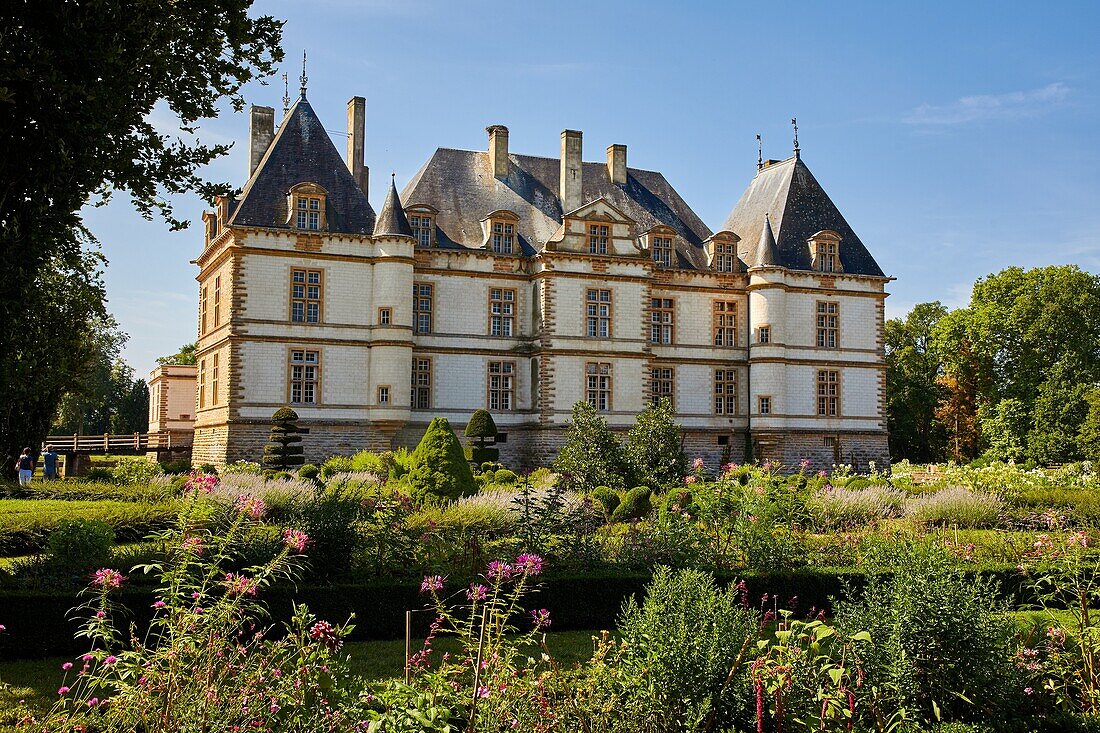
{"type": "Point", "coordinates": [25, 465]}
{"type": "Point", "coordinates": [49, 464]}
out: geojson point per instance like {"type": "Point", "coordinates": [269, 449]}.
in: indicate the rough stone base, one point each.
{"type": "Point", "coordinates": [823, 450]}
{"type": "Point", "coordinates": [715, 447]}
{"type": "Point", "coordinates": [245, 441]}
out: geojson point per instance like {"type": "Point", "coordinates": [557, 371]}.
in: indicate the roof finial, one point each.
{"type": "Point", "coordinates": [286, 94]}
{"type": "Point", "coordinates": [759, 153]}
{"type": "Point", "coordinates": [303, 78]}
{"type": "Point", "coordinates": [794, 124]}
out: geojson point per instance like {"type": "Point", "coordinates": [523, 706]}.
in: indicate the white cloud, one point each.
{"type": "Point", "coordinates": [980, 107]}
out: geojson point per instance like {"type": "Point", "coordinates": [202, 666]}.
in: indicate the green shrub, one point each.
{"type": "Point", "coordinates": [857, 483]}
{"type": "Point", "coordinates": [592, 456]}
{"type": "Point", "coordinates": [309, 472]}
{"type": "Point", "coordinates": [25, 524]}
{"type": "Point", "coordinates": [654, 447]}
{"type": "Point", "coordinates": [955, 505]}
{"type": "Point", "coordinates": [135, 470]}
{"type": "Point", "coordinates": [635, 504]}
{"type": "Point", "coordinates": [481, 426]}
{"type": "Point", "coordinates": [606, 497]}
{"type": "Point", "coordinates": [80, 545]}
{"type": "Point", "coordinates": [282, 450]}
{"type": "Point", "coordinates": [176, 467]}
{"type": "Point", "coordinates": [678, 501]}
{"type": "Point", "coordinates": [99, 474]}
{"type": "Point", "coordinates": [480, 455]}
{"type": "Point", "coordinates": [437, 468]}
{"type": "Point", "coordinates": [334, 465]}
{"type": "Point", "coordinates": [245, 467]}
{"type": "Point", "coordinates": [209, 469]}
{"type": "Point", "coordinates": [504, 476]}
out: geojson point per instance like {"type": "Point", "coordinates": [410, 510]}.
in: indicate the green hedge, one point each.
{"type": "Point", "coordinates": [25, 524]}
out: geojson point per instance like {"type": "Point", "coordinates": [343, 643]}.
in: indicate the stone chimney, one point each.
{"type": "Point", "coordinates": [616, 163]}
{"type": "Point", "coordinates": [498, 150]}
{"type": "Point", "coordinates": [357, 125]}
{"type": "Point", "coordinates": [261, 131]}
{"type": "Point", "coordinates": [570, 188]}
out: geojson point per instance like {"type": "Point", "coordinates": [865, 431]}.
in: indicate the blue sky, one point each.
{"type": "Point", "coordinates": [956, 138]}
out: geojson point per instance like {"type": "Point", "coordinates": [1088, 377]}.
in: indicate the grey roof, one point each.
{"type": "Point", "coordinates": [799, 208]}
{"type": "Point", "coordinates": [302, 152]}
{"type": "Point", "coordinates": [392, 219]}
{"type": "Point", "coordinates": [461, 185]}
{"type": "Point", "coordinates": [766, 252]}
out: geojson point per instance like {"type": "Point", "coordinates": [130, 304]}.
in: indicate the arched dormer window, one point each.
{"type": "Point", "coordinates": [825, 251]}
{"type": "Point", "coordinates": [422, 220]}
{"type": "Point", "coordinates": [501, 229]}
{"type": "Point", "coordinates": [662, 245]}
{"type": "Point", "coordinates": [307, 203]}
{"type": "Point", "coordinates": [721, 250]}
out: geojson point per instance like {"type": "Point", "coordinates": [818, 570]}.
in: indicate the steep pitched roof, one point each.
{"type": "Point", "coordinates": [766, 252]}
{"type": "Point", "coordinates": [392, 219]}
{"type": "Point", "coordinates": [799, 208]}
{"type": "Point", "coordinates": [461, 185]}
{"type": "Point", "coordinates": [302, 152]}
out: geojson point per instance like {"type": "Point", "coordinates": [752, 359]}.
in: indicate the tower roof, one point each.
{"type": "Point", "coordinates": [799, 208]}
{"type": "Point", "coordinates": [302, 152]}
{"type": "Point", "coordinates": [391, 219]}
{"type": "Point", "coordinates": [767, 255]}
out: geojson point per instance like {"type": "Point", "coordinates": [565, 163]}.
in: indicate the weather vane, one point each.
{"type": "Point", "coordinates": [759, 153]}
{"type": "Point", "coordinates": [794, 124]}
{"type": "Point", "coordinates": [286, 94]}
{"type": "Point", "coordinates": [304, 78]}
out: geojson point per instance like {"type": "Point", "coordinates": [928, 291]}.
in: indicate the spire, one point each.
{"type": "Point", "coordinates": [303, 78]}
{"type": "Point", "coordinates": [392, 221]}
{"type": "Point", "coordinates": [759, 153]}
{"type": "Point", "coordinates": [794, 124]}
{"type": "Point", "coordinates": [767, 254]}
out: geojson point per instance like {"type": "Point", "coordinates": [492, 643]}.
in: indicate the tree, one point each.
{"type": "Point", "coordinates": [592, 456]}
{"type": "Point", "coordinates": [78, 84]}
{"type": "Point", "coordinates": [282, 451]}
{"type": "Point", "coordinates": [1061, 408]}
{"type": "Point", "coordinates": [654, 447]}
{"type": "Point", "coordinates": [482, 429]}
{"type": "Point", "coordinates": [1004, 427]}
{"type": "Point", "coordinates": [437, 468]}
{"type": "Point", "coordinates": [1088, 436]}
{"type": "Point", "coordinates": [185, 356]}
{"type": "Point", "coordinates": [913, 391]}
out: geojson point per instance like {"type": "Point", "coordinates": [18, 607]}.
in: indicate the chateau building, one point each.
{"type": "Point", "coordinates": [523, 285]}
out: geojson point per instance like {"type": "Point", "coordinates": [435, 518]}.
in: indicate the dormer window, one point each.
{"type": "Point", "coordinates": [307, 207]}
{"type": "Point", "coordinates": [598, 236]}
{"type": "Point", "coordinates": [309, 212]}
{"type": "Point", "coordinates": [825, 252]}
{"type": "Point", "coordinates": [423, 225]}
{"type": "Point", "coordinates": [725, 257]}
{"type": "Point", "coordinates": [504, 237]}
{"type": "Point", "coordinates": [661, 247]}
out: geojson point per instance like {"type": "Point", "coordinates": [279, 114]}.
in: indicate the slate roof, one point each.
{"type": "Point", "coordinates": [392, 219]}
{"type": "Point", "coordinates": [302, 152]}
{"type": "Point", "coordinates": [799, 208]}
{"type": "Point", "coordinates": [766, 251]}
{"type": "Point", "coordinates": [461, 185]}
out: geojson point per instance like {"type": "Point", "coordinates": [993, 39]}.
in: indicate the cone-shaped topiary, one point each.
{"type": "Point", "coordinates": [281, 453]}
{"type": "Point", "coordinates": [437, 468]}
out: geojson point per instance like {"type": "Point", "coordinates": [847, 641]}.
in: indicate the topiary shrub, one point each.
{"type": "Point", "coordinates": [483, 431]}
{"type": "Point", "coordinates": [636, 504]}
{"type": "Point", "coordinates": [282, 451]}
{"type": "Point", "coordinates": [504, 476]}
{"type": "Point", "coordinates": [437, 468]}
{"type": "Point", "coordinates": [678, 501]}
{"type": "Point", "coordinates": [607, 497]}
{"type": "Point", "coordinates": [309, 472]}
{"type": "Point", "coordinates": [80, 545]}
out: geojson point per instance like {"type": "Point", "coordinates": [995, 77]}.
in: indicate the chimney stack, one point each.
{"type": "Point", "coordinates": [357, 125]}
{"type": "Point", "coordinates": [261, 131]}
{"type": "Point", "coordinates": [570, 187]}
{"type": "Point", "coordinates": [616, 163]}
{"type": "Point", "coordinates": [498, 150]}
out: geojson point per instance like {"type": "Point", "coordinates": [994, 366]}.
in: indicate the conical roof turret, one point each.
{"type": "Point", "coordinates": [767, 254]}
{"type": "Point", "coordinates": [391, 221]}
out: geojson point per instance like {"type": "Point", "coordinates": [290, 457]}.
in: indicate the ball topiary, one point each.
{"type": "Point", "coordinates": [504, 476]}
{"type": "Point", "coordinates": [481, 427]}
{"type": "Point", "coordinates": [636, 504]}
{"type": "Point", "coordinates": [607, 497]}
{"type": "Point", "coordinates": [309, 472]}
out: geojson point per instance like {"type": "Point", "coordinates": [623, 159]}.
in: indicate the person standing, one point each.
{"type": "Point", "coordinates": [25, 465]}
{"type": "Point", "coordinates": [49, 464]}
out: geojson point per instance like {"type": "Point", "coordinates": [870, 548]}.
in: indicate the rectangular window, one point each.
{"type": "Point", "coordinates": [202, 383]}
{"type": "Point", "coordinates": [764, 334]}
{"type": "Point", "coordinates": [598, 313]}
{"type": "Point", "coordinates": [214, 380]}
{"type": "Point", "coordinates": [598, 385]}
{"type": "Point", "coordinates": [662, 320]}
{"type": "Point", "coordinates": [502, 385]}
{"type": "Point", "coordinates": [828, 392]}
{"type": "Point", "coordinates": [305, 376]}
{"type": "Point", "coordinates": [725, 323]}
{"type": "Point", "coordinates": [422, 307]}
{"type": "Point", "coordinates": [826, 256]}
{"type": "Point", "coordinates": [202, 310]}
{"type": "Point", "coordinates": [383, 394]}
{"type": "Point", "coordinates": [502, 312]}
{"type": "Point", "coordinates": [421, 383]}
{"type": "Point", "coordinates": [217, 301]}
{"type": "Point", "coordinates": [504, 237]}
{"type": "Point", "coordinates": [422, 229]}
{"type": "Point", "coordinates": [385, 315]}
{"type": "Point", "coordinates": [662, 251]}
{"type": "Point", "coordinates": [765, 406]}
{"type": "Point", "coordinates": [662, 385]}
{"type": "Point", "coordinates": [308, 212]}
{"type": "Point", "coordinates": [306, 291]}
{"type": "Point", "coordinates": [598, 234]}
{"type": "Point", "coordinates": [725, 392]}
{"type": "Point", "coordinates": [827, 325]}
{"type": "Point", "coordinates": [725, 255]}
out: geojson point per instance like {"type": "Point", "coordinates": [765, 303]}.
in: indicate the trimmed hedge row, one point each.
{"type": "Point", "coordinates": [39, 623]}
{"type": "Point", "coordinates": [25, 524]}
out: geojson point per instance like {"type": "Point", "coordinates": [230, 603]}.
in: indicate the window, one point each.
{"type": "Point", "coordinates": [202, 311]}
{"type": "Point", "coordinates": [383, 394]}
{"type": "Point", "coordinates": [214, 380]}
{"type": "Point", "coordinates": [598, 385]}
{"type": "Point", "coordinates": [828, 392]}
{"type": "Point", "coordinates": [827, 325]}
{"type": "Point", "coordinates": [202, 383]}
{"type": "Point", "coordinates": [502, 385]}
{"type": "Point", "coordinates": [502, 312]}
{"type": "Point", "coordinates": [503, 237]}
{"type": "Point", "coordinates": [764, 334]}
{"type": "Point", "coordinates": [308, 209]}
{"type": "Point", "coordinates": [661, 385]}
{"type": "Point", "coordinates": [423, 228]}
{"type": "Point", "coordinates": [598, 312]}
{"type": "Point", "coordinates": [305, 296]}
{"type": "Point", "coordinates": [305, 376]}
{"type": "Point", "coordinates": [725, 323]}
{"type": "Point", "coordinates": [662, 320]}
{"type": "Point", "coordinates": [725, 257]}
{"type": "Point", "coordinates": [765, 406]}
{"type": "Point", "coordinates": [385, 315]}
{"type": "Point", "coordinates": [217, 300]}
{"type": "Point", "coordinates": [826, 257]}
{"type": "Point", "coordinates": [662, 251]}
{"type": "Point", "coordinates": [421, 383]}
{"type": "Point", "coordinates": [598, 234]}
{"type": "Point", "coordinates": [422, 307]}
{"type": "Point", "coordinates": [725, 391]}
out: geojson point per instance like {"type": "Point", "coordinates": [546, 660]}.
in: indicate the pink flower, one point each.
{"type": "Point", "coordinates": [431, 584]}
{"type": "Point", "coordinates": [729, 467]}
{"type": "Point", "coordinates": [690, 479]}
{"type": "Point", "coordinates": [326, 634]}
{"type": "Point", "coordinates": [804, 463]}
{"type": "Point", "coordinates": [697, 464]}
{"type": "Point", "coordinates": [67, 666]}
{"type": "Point", "coordinates": [93, 702]}
{"type": "Point", "coordinates": [541, 618]}
{"type": "Point", "coordinates": [111, 659]}
{"type": "Point", "coordinates": [200, 483]}
{"type": "Point", "coordinates": [1028, 691]}
{"type": "Point", "coordinates": [193, 545]}
{"type": "Point", "coordinates": [62, 690]}
{"type": "Point", "coordinates": [253, 507]}
{"type": "Point", "coordinates": [101, 614]}
{"type": "Point", "coordinates": [159, 604]}
{"type": "Point", "coordinates": [107, 578]}
{"type": "Point", "coordinates": [295, 539]}
{"type": "Point", "coordinates": [239, 585]}
{"type": "Point", "coordinates": [529, 563]}
{"type": "Point", "coordinates": [3, 628]}
{"type": "Point", "coordinates": [483, 692]}
{"type": "Point", "coordinates": [477, 593]}
{"type": "Point", "coordinates": [499, 570]}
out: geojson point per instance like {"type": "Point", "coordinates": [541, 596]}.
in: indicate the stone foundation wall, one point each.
{"type": "Point", "coordinates": [245, 440]}
{"type": "Point", "coordinates": [705, 444]}
{"type": "Point", "coordinates": [824, 449]}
